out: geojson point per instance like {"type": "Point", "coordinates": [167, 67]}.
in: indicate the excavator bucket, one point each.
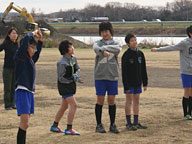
{"type": "Point", "coordinates": [45, 31]}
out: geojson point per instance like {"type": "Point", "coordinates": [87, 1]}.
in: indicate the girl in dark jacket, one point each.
{"type": "Point", "coordinates": [10, 46]}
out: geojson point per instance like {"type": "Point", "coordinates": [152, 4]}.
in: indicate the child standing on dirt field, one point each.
{"type": "Point", "coordinates": [185, 48]}
{"type": "Point", "coordinates": [25, 59]}
{"type": "Point", "coordinates": [106, 75]}
{"type": "Point", "coordinates": [68, 73]}
{"type": "Point", "coordinates": [134, 75]}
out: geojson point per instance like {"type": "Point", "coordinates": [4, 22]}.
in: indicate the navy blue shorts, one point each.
{"type": "Point", "coordinates": [186, 80]}
{"type": "Point", "coordinates": [24, 101]}
{"type": "Point", "coordinates": [103, 86]}
{"type": "Point", "coordinates": [66, 96]}
{"type": "Point", "coordinates": [135, 90]}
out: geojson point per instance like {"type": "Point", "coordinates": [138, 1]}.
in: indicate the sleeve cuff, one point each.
{"type": "Point", "coordinates": [144, 84]}
{"type": "Point", "coordinates": [30, 34]}
{"type": "Point", "coordinates": [40, 40]}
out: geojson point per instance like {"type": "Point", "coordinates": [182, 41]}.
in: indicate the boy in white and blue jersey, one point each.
{"type": "Point", "coordinates": [106, 75]}
{"type": "Point", "coordinates": [185, 49]}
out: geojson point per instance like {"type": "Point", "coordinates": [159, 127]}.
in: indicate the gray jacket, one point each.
{"type": "Point", "coordinates": [67, 66]}
{"type": "Point", "coordinates": [106, 68]}
{"type": "Point", "coordinates": [185, 48]}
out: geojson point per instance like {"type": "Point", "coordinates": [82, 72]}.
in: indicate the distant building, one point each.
{"type": "Point", "coordinates": [99, 19]}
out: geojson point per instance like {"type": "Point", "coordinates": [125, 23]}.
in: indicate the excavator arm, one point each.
{"type": "Point", "coordinates": [22, 11]}
{"type": "Point", "coordinates": [31, 25]}
{"type": "Point", "coordinates": [8, 9]}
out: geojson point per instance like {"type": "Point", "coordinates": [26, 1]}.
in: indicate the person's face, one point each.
{"type": "Point", "coordinates": [31, 50]}
{"type": "Point", "coordinates": [133, 43]}
{"type": "Point", "coordinates": [13, 36]}
{"type": "Point", "coordinates": [106, 35]}
{"type": "Point", "coordinates": [71, 50]}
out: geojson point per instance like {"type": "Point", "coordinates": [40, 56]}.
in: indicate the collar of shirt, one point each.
{"type": "Point", "coordinates": [108, 42]}
{"type": "Point", "coordinates": [133, 49]}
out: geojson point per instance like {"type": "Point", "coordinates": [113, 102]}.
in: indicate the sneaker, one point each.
{"type": "Point", "coordinates": [8, 108]}
{"type": "Point", "coordinates": [139, 126]}
{"type": "Point", "coordinates": [71, 132]}
{"type": "Point", "coordinates": [56, 129]}
{"type": "Point", "coordinates": [100, 128]}
{"type": "Point", "coordinates": [14, 107]}
{"type": "Point", "coordinates": [187, 117]}
{"type": "Point", "coordinates": [113, 129]}
{"type": "Point", "coordinates": [131, 127]}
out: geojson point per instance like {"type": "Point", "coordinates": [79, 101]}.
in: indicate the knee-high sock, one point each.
{"type": "Point", "coordinates": [112, 113]}
{"type": "Point", "coordinates": [98, 113]}
{"type": "Point", "coordinates": [190, 106]}
{"type": "Point", "coordinates": [21, 136]}
{"type": "Point", "coordinates": [185, 103]}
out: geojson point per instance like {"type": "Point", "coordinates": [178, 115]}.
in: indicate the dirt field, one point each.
{"type": "Point", "coordinates": [160, 106]}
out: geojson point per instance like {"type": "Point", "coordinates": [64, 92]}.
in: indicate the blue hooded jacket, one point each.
{"type": "Point", "coordinates": [25, 65]}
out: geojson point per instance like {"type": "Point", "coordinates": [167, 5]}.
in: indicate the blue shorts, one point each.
{"type": "Point", "coordinates": [103, 86]}
{"type": "Point", "coordinates": [24, 101]}
{"type": "Point", "coordinates": [135, 90]}
{"type": "Point", "coordinates": [66, 96]}
{"type": "Point", "coordinates": [186, 80]}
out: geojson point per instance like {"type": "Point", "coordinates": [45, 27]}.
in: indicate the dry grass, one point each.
{"type": "Point", "coordinates": [160, 106]}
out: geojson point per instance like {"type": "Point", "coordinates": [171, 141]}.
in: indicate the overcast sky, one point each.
{"type": "Point", "coordinates": [48, 6]}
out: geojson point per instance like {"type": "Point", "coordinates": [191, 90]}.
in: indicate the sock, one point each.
{"type": "Point", "coordinates": [112, 113]}
{"type": "Point", "coordinates": [190, 105]}
{"type": "Point", "coordinates": [135, 119]}
{"type": "Point", "coordinates": [69, 126]}
{"type": "Point", "coordinates": [98, 113]}
{"type": "Point", "coordinates": [128, 118]}
{"type": "Point", "coordinates": [185, 103]}
{"type": "Point", "coordinates": [21, 136]}
{"type": "Point", "coordinates": [55, 124]}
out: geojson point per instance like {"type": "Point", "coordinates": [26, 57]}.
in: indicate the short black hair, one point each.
{"type": "Point", "coordinates": [32, 41]}
{"type": "Point", "coordinates": [63, 47]}
{"type": "Point", "coordinates": [189, 31]}
{"type": "Point", "coordinates": [128, 37]}
{"type": "Point", "coordinates": [105, 26]}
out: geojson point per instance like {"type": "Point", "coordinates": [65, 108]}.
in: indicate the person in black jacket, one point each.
{"type": "Point", "coordinates": [134, 75]}
{"type": "Point", "coordinates": [25, 59]}
{"type": "Point", "coordinates": [10, 46]}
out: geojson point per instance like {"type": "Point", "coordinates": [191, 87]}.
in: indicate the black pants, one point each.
{"type": "Point", "coordinates": [9, 86]}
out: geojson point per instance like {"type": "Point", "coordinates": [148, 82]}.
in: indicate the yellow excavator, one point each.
{"type": "Point", "coordinates": [31, 25]}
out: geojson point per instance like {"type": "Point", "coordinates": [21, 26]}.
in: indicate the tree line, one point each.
{"type": "Point", "coordinates": [179, 10]}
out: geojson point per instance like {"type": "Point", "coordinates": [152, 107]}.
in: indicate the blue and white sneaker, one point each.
{"type": "Point", "coordinates": [71, 132]}
{"type": "Point", "coordinates": [56, 129]}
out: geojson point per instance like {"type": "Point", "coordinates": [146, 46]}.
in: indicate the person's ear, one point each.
{"type": "Point", "coordinates": [190, 35]}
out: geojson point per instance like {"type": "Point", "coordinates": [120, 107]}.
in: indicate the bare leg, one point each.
{"type": "Point", "coordinates": [128, 104]}
{"type": "Point", "coordinates": [73, 106]}
{"type": "Point", "coordinates": [62, 109]}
